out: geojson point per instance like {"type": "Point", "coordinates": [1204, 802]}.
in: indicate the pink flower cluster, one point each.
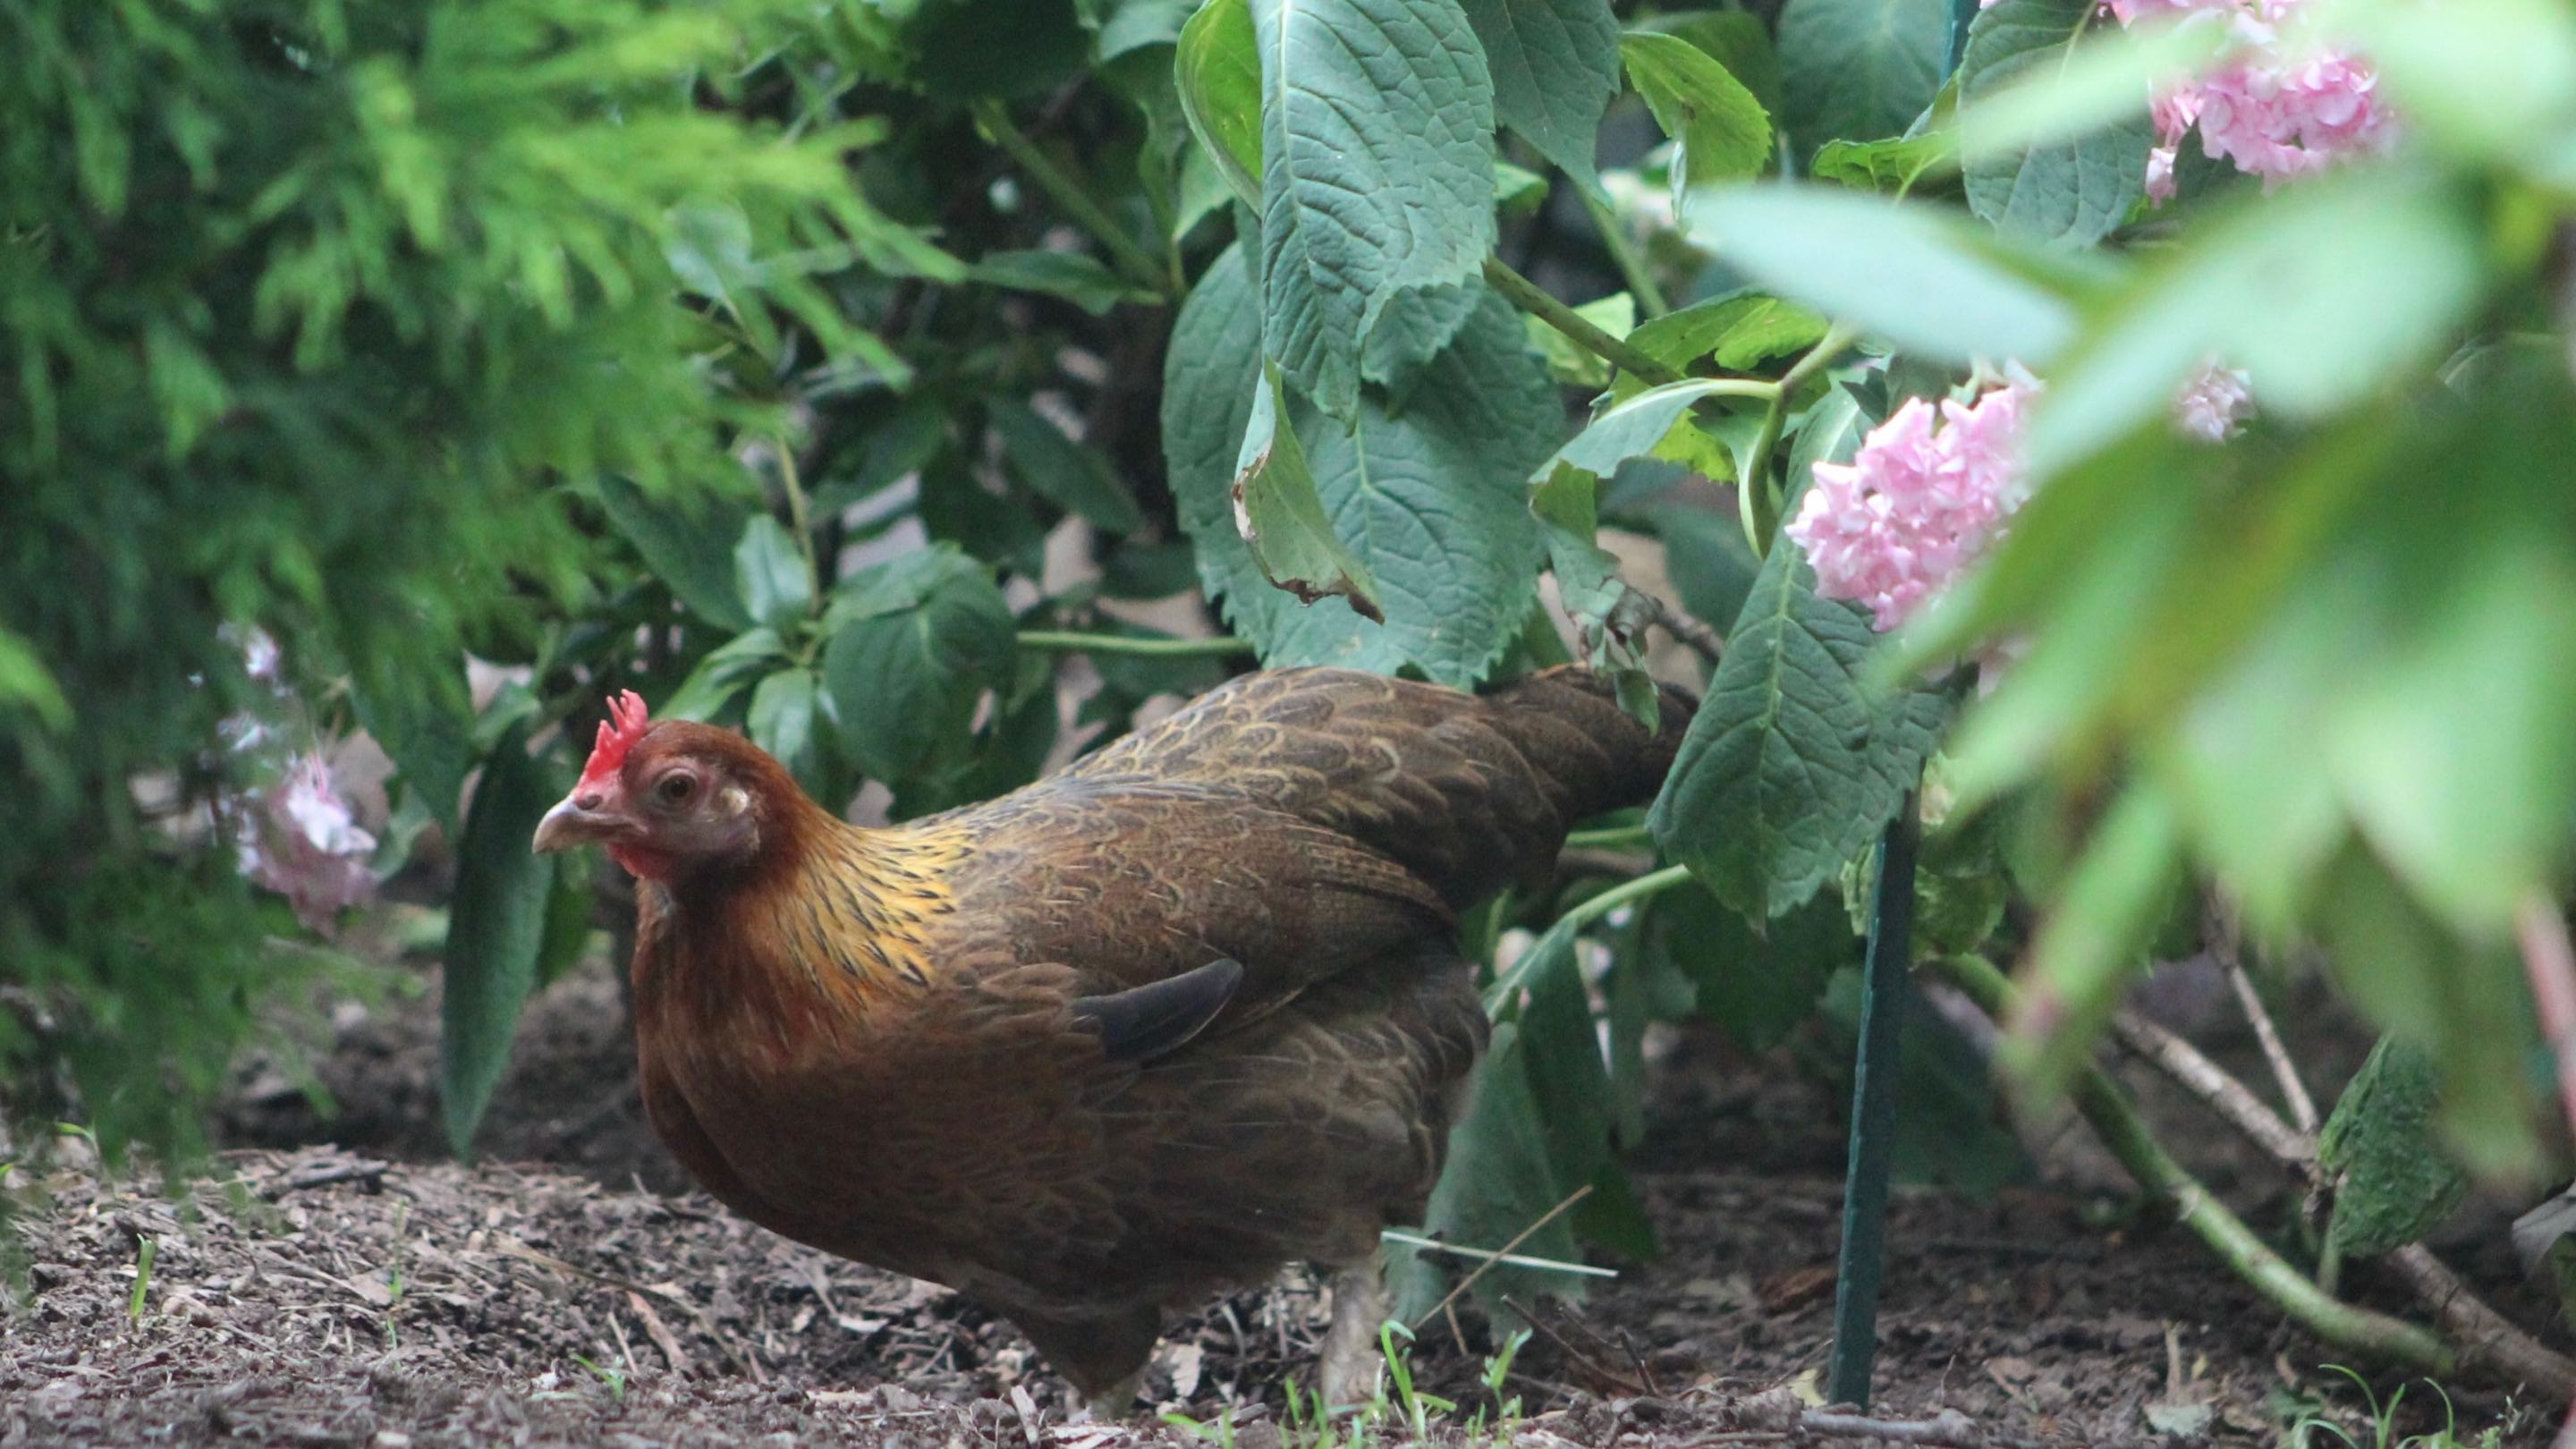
{"type": "Point", "coordinates": [2273, 113]}
{"type": "Point", "coordinates": [2214, 405]}
{"type": "Point", "coordinates": [1929, 488]}
{"type": "Point", "coordinates": [298, 835]}
{"type": "Point", "coordinates": [302, 840]}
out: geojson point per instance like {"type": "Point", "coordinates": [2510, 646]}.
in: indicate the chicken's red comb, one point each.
{"type": "Point", "coordinates": [617, 734]}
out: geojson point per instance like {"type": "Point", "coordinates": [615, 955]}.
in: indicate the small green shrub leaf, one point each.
{"type": "Point", "coordinates": [2396, 1183]}
{"type": "Point", "coordinates": [1719, 126]}
{"type": "Point", "coordinates": [1068, 474]}
{"type": "Point", "coordinates": [914, 641]}
{"type": "Point", "coordinates": [687, 545]}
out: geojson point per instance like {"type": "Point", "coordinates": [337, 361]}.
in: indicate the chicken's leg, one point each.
{"type": "Point", "coordinates": [1351, 1359]}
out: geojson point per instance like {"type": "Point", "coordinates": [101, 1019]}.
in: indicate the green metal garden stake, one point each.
{"type": "Point", "coordinates": [1884, 992]}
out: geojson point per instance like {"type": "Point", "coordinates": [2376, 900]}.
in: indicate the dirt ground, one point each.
{"type": "Point", "coordinates": [570, 1290]}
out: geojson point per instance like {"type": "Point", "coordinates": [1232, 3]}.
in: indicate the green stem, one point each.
{"type": "Point", "coordinates": [1066, 640]}
{"type": "Point", "coordinates": [994, 120]}
{"type": "Point", "coordinates": [1616, 837]}
{"type": "Point", "coordinates": [1509, 984]}
{"type": "Point", "coordinates": [2341, 1325]}
{"type": "Point", "coordinates": [1527, 295]}
{"type": "Point", "coordinates": [800, 523]}
{"type": "Point", "coordinates": [1623, 255]}
{"type": "Point", "coordinates": [1757, 496]}
{"type": "Point", "coordinates": [1761, 500]}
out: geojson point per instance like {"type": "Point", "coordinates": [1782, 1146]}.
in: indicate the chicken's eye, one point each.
{"type": "Point", "coordinates": [676, 789]}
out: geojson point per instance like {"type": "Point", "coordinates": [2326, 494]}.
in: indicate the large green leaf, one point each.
{"type": "Point", "coordinates": [1377, 176]}
{"type": "Point", "coordinates": [1715, 120]}
{"type": "Point", "coordinates": [2396, 1184]}
{"type": "Point", "coordinates": [1854, 70]}
{"type": "Point", "coordinates": [1632, 428]}
{"type": "Point", "coordinates": [914, 641]}
{"type": "Point", "coordinates": [1740, 41]}
{"type": "Point", "coordinates": [1907, 273]}
{"type": "Point", "coordinates": [2072, 190]}
{"type": "Point", "coordinates": [1792, 764]}
{"type": "Point", "coordinates": [495, 929]}
{"type": "Point", "coordinates": [2452, 746]}
{"type": "Point", "coordinates": [2097, 936]}
{"type": "Point", "coordinates": [2465, 999]}
{"type": "Point", "coordinates": [1555, 67]}
{"type": "Point", "coordinates": [1427, 499]}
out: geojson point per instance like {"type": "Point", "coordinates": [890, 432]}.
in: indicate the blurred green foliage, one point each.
{"type": "Point", "coordinates": [318, 317]}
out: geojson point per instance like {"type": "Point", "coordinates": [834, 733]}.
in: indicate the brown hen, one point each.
{"type": "Point", "coordinates": [1190, 1008]}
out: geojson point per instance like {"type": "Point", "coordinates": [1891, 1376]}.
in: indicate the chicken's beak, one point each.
{"type": "Point", "coordinates": [580, 818]}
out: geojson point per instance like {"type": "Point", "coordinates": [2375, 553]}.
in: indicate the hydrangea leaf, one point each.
{"type": "Point", "coordinates": [1377, 176]}
{"type": "Point", "coordinates": [1555, 67]}
{"type": "Point", "coordinates": [1793, 763]}
{"type": "Point", "coordinates": [1740, 41]}
{"type": "Point", "coordinates": [1897, 164]}
{"type": "Point", "coordinates": [1429, 499]}
{"type": "Point", "coordinates": [1851, 69]}
{"type": "Point", "coordinates": [2071, 190]}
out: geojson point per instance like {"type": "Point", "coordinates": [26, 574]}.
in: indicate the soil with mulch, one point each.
{"type": "Point", "coordinates": [373, 1293]}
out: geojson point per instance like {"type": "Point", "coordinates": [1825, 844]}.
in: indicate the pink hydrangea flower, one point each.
{"type": "Point", "coordinates": [1928, 490]}
{"type": "Point", "coordinates": [302, 840]}
{"type": "Point", "coordinates": [2214, 405]}
{"type": "Point", "coordinates": [2270, 113]}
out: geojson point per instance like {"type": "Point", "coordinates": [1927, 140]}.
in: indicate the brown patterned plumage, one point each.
{"type": "Point", "coordinates": [1185, 1010]}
